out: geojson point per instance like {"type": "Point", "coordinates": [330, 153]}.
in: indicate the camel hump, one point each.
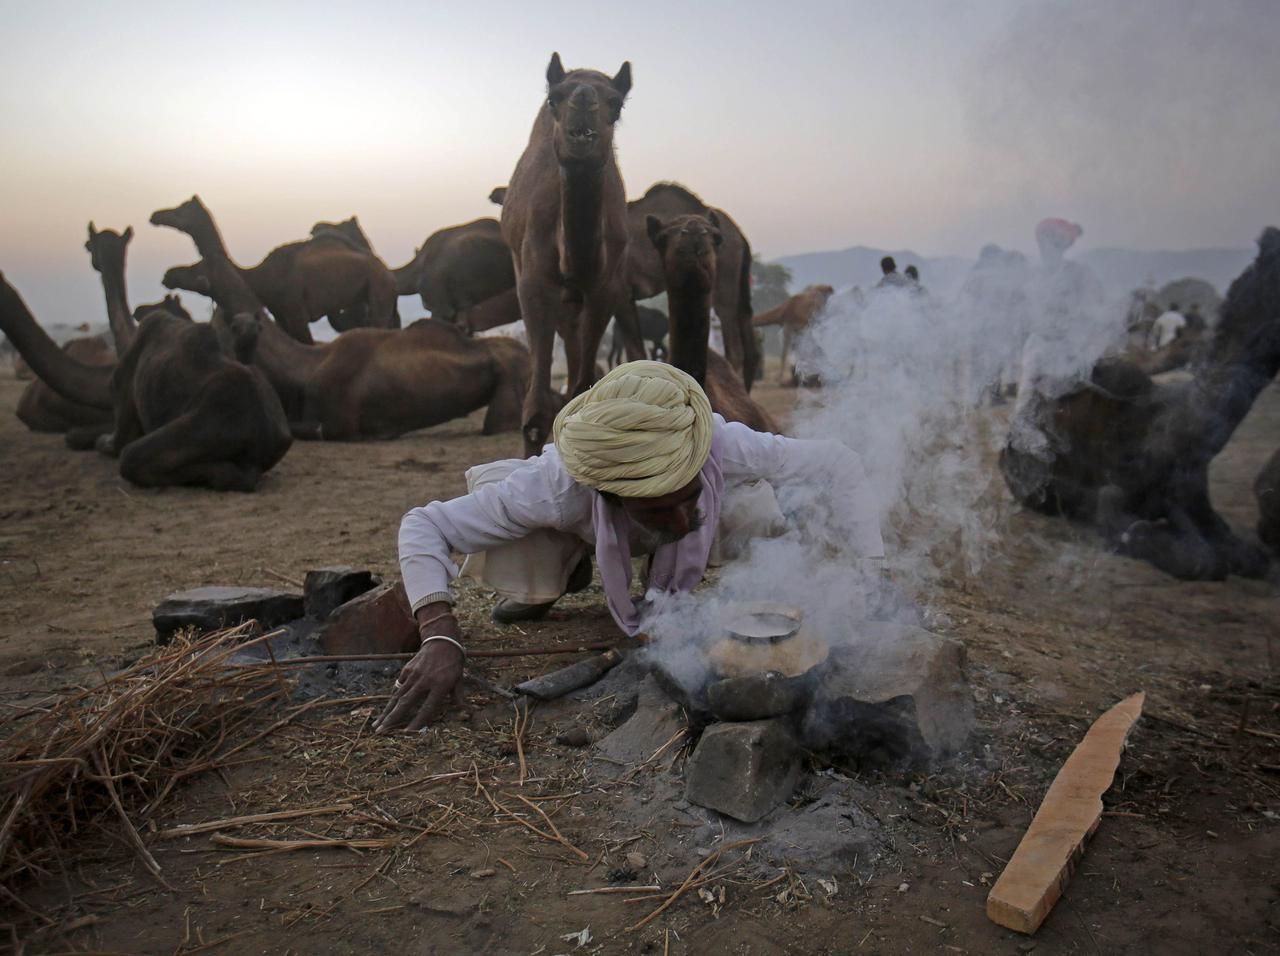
{"type": "Point", "coordinates": [341, 232]}
{"type": "Point", "coordinates": [675, 190]}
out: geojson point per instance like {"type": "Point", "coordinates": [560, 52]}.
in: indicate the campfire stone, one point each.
{"type": "Point", "coordinates": [756, 696]}
{"type": "Point", "coordinates": [743, 770]}
{"type": "Point", "coordinates": [895, 693]}
{"type": "Point", "coordinates": [657, 718]}
{"type": "Point", "coordinates": [326, 589]}
{"type": "Point", "coordinates": [211, 608]}
{"type": "Point", "coordinates": [376, 622]}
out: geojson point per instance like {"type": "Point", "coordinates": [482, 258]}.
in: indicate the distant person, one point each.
{"type": "Point", "coordinates": [913, 280]}
{"type": "Point", "coordinates": [891, 277]}
{"type": "Point", "coordinates": [1167, 327]}
{"type": "Point", "coordinates": [913, 274]}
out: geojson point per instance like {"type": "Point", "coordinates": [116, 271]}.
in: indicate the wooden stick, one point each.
{"type": "Point", "coordinates": [1033, 880]}
{"type": "Point", "coordinates": [481, 652]}
{"type": "Point", "coordinates": [693, 875]}
{"type": "Point", "coordinates": [613, 889]}
{"type": "Point", "coordinates": [557, 835]}
{"type": "Point", "coordinates": [247, 843]}
{"type": "Point", "coordinates": [187, 829]}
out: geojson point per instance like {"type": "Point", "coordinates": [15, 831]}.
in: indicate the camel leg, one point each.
{"type": "Point", "coordinates": [784, 373]}
{"type": "Point", "coordinates": [600, 307]}
{"type": "Point", "coordinates": [541, 307]}
{"type": "Point", "coordinates": [85, 437]}
{"type": "Point", "coordinates": [190, 450]}
{"type": "Point", "coordinates": [294, 319]}
{"type": "Point", "coordinates": [503, 413]}
{"type": "Point", "coordinates": [627, 324]}
{"type": "Point", "coordinates": [383, 311]}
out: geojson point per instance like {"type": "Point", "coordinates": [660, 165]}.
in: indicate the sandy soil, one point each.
{"type": "Point", "coordinates": [1186, 859]}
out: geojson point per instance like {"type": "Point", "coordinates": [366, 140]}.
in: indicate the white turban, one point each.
{"type": "Point", "coordinates": [642, 431]}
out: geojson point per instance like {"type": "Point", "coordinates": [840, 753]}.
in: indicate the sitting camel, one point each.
{"type": "Point", "coordinates": [367, 383]}
{"type": "Point", "coordinates": [1132, 456]}
{"type": "Point", "coordinates": [687, 247]}
{"type": "Point", "coordinates": [1267, 490]}
{"type": "Point", "coordinates": [300, 282]}
{"type": "Point", "coordinates": [564, 217]}
{"type": "Point", "coordinates": [185, 412]}
{"type": "Point", "coordinates": [794, 316]}
{"type": "Point", "coordinates": [653, 329]}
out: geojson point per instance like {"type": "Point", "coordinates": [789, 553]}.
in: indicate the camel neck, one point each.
{"type": "Point", "coordinates": [582, 220]}
{"type": "Point", "coordinates": [690, 329]}
{"type": "Point", "coordinates": [208, 239]}
{"type": "Point", "coordinates": [119, 317]}
{"type": "Point", "coordinates": [288, 364]}
{"type": "Point", "coordinates": [87, 384]}
{"type": "Point", "coordinates": [406, 277]}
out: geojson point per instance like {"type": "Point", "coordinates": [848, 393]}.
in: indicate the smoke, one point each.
{"type": "Point", "coordinates": [910, 382]}
{"type": "Point", "coordinates": [1150, 118]}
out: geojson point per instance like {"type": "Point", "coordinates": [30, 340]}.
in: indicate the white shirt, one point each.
{"type": "Point", "coordinates": [1167, 327]}
{"type": "Point", "coordinates": [818, 484]}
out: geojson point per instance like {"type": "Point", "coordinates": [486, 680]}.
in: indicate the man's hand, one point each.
{"type": "Point", "coordinates": [429, 681]}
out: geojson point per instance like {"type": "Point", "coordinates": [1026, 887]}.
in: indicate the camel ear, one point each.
{"type": "Point", "coordinates": [92, 232]}
{"type": "Point", "coordinates": [622, 82]}
{"type": "Point", "coordinates": [555, 70]}
{"type": "Point", "coordinates": [713, 218]}
{"type": "Point", "coordinates": [498, 196]}
{"type": "Point", "coordinates": [128, 233]}
{"type": "Point", "coordinates": [653, 226]}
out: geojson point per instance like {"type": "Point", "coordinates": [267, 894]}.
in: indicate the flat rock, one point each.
{"type": "Point", "coordinates": [894, 693]}
{"type": "Point", "coordinates": [324, 590]}
{"type": "Point", "coordinates": [743, 770]}
{"type": "Point", "coordinates": [656, 719]}
{"type": "Point", "coordinates": [756, 696]}
{"type": "Point", "coordinates": [212, 608]}
{"type": "Point", "coordinates": [376, 622]}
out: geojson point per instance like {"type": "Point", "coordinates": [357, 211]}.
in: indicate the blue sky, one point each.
{"type": "Point", "coordinates": [931, 125]}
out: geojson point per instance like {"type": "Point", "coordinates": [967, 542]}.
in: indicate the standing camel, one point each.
{"type": "Point", "coordinates": [687, 248]}
{"type": "Point", "coordinates": [300, 282]}
{"type": "Point", "coordinates": [794, 316]}
{"type": "Point", "coordinates": [564, 218]}
{"type": "Point", "coordinates": [731, 297]}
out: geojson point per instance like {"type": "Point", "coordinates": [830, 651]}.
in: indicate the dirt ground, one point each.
{"type": "Point", "coordinates": [1186, 860]}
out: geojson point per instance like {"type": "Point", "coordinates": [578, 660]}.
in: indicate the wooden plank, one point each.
{"type": "Point", "coordinates": [1034, 878]}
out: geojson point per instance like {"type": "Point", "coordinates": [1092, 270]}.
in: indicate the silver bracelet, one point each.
{"type": "Point", "coordinates": [443, 637]}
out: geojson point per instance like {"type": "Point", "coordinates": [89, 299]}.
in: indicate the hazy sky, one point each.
{"type": "Point", "coordinates": [931, 125]}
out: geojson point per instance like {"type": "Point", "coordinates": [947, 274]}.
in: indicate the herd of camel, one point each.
{"type": "Point", "coordinates": [219, 403]}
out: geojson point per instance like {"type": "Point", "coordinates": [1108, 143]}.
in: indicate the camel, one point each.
{"type": "Point", "coordinates": [498, 310]}
{"type": "Point", "coordinates": [653, 329]}
{"type": "Point", "coordinates": [41, 408]}
{"type": "Point", "coordinates": [300, 282]}
{"type": "Point", "coordinates": [732, 301]}
{"type": "Point", "coordinates": [794, 316]}
{"type": "Point", "coordinates": [687, 247]}
{"type": "Point", "coordinates": [1266, 487]}
{"type": "Point", "coordinates": [564, 217]}
{"type": "Point", "coordinates": [1132, 456]}
{"type": "Point", "coordinates": [369, 383]}
{"type": "Point", "coordinates": [185, 412]}
{"type": "Point", "coordinates": [732, 295]}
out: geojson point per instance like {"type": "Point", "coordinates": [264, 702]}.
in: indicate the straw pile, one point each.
{"type": "Point", "coordinates": [106, 757]}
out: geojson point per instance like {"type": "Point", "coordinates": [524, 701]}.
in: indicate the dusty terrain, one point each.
{"type": "Point", "coordinates": [1185, 861]}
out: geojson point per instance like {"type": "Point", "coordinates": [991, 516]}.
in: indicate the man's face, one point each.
{"type": "Point", "coordinates": [670, 517]}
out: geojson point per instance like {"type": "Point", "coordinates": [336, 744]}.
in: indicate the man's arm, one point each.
{"type": "Point", "coordinates": [493, 514]}
{"type": "Point", "coordinates": [820, 484]}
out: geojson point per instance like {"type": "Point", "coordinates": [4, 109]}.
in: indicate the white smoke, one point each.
{"type": "Point", "coordinates": [909, 382]}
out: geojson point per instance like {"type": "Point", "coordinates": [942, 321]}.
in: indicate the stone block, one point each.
{"type": "Point", "coordinates": [655, 721]}
{"type": "Point", "coordinates": [324, 590]}
{"type": "Point", "coordinates": [743, 770]}
{"type": "Point", "coordinates": [376, 622]}
{"type": "Point", "coordinates": [212, 608]}
{"type": "Point", "coordinates": [894, 693]}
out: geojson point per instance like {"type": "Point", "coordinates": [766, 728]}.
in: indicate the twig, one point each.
{"type": "Point", "coordinates": [520, 724]}
{"type": "Point", "coordinates": [478, 652]}
{"type": "Point", "coordinates": [555, 835]}
{"type": "Point", "coordinates": [282, 577]}
{"type": "Point", "coordinates": [709, 859]}
{"type": "Point", "coordinates": [613, 889]}
{"type": "Point", "coordinates": [249, 843]}
{"type": "Point", "coordinates": [187, 829]}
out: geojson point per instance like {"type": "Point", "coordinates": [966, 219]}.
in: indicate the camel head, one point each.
{"type": "Point", "coordinates": [107, 248]}
{"type": "Point", "coordinates": [687, 245]}
{"type": "Point", "coordinates": [170, 304]}
{"type": "Point", "coordinates": [192, 214]}
{"type": "Point", "coordinates": [192, 278]}
{"type": "Point", "coordinates": [584, 106]}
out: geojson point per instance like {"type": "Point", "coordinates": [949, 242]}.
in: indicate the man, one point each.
{"type": "Point", "coordinates": [890, 277]}
{"type": "Point", "coordinates": [639, 464]}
